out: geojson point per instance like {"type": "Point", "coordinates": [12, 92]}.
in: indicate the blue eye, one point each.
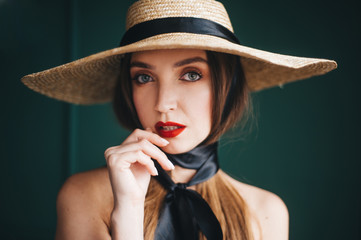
{"type": "Point", "coordinates": [191, 76]}
{"type": "Point", "coordinates": [143, 78]}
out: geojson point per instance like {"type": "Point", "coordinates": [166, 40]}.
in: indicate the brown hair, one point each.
{"type": "Point", "coordinates": [230, 103]}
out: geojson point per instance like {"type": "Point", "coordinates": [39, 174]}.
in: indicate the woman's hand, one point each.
{"type": "Point", "coordinates": [130, 165]}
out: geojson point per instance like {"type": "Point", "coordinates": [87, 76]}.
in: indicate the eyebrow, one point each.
{"type": "Point", "coordinates": [189, 61]}
{"type": "Point", "coordinates": [177, 64]}
{"type": "Point", "coordinates": [141, 65]}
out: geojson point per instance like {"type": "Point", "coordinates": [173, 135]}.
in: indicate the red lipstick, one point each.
{"type": "Point", "coordinates": [169, 129]}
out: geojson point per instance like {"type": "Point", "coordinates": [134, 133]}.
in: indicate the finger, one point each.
{"type": "Point", "coordinates": [111, 150]}
{"type": "Point", "coordinates": [147, 148]}
{"type": "Point", "coordinates": [123, 161]}
{"type": "Point", "coordinates": [133, 146]}
{"type": "Point", "coordinates": [148, 163]}
{"type": "Point", "coordinates": [154, 138]}
{"type": "Point", "coordinates": [154, 152]}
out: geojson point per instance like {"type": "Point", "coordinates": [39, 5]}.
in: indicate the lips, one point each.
{"type": "Point", "coordinates": [169, 129]}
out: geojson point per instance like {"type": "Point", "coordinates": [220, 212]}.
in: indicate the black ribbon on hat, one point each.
{"type": "Point", "coordinates": [158, 26]}
{"type": "Point", "coordinates": [185, 212]}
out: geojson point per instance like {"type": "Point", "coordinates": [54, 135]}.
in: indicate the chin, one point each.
{"type": "Point", "coordinates": [177, 147]}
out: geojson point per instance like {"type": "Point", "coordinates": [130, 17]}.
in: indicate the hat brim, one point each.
{"type": "Point", "coordinates": [92, 79]}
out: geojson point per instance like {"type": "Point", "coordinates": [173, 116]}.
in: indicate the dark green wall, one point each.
{"type": "Point", "coordinates": [305, 145]}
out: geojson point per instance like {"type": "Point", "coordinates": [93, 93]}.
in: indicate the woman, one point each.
{"type": "Point", "coordinates": [182, 81]}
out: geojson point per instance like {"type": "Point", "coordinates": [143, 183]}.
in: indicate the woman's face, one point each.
{"type": "Point", "coordinates": [172, 94]}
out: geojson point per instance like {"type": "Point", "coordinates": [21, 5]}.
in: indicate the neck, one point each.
{"type": "Point", "coordinates": [182, 175]}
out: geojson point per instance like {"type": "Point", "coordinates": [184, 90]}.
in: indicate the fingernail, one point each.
{"type": "Point", "coordinates": [155, 172]}
{"type": "Point", "coordinates": [170, 164]}
{"type": "Point", "coordinates": [164, 141]}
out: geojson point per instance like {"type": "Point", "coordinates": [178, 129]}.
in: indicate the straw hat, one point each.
{"type": "Point", "coordinates": [170, 24]}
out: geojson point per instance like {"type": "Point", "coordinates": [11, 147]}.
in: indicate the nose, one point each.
{"type": "Point", "coordinates": [166, 98]}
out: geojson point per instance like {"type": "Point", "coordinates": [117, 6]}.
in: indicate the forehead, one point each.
{"type": "Point", "coordinates": [167, 55]}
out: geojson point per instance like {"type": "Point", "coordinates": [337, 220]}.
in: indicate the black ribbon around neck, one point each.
{"type": "Point", "coordinates": [184, 211]}
{"type": "Point", "coordinates": [158, 26]}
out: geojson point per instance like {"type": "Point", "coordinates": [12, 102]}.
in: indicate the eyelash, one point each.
{"type": "Point", "coordinates": [138, 81]}
{"type": "Point", "coordinates": [199, 75]}
{"type": "Point", "coordinates": [136, 78]}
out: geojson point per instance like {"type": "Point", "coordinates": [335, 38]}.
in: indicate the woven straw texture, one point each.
{"type": "Point", "coordinates": [92, 79]}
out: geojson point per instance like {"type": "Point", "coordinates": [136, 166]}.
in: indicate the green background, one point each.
{"type": "Point", "coordinates": [305, 144]}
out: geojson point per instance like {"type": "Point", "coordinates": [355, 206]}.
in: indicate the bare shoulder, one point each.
{"type": "Point", "coordinates": [84, 206]}
{"type": "Point", "coordinates": [270, 219]}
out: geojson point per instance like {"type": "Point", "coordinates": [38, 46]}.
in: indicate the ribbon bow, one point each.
{"type": "Point", "coordinates": [185, 212]}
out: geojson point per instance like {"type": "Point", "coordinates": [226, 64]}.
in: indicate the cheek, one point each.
{"type": "Point", "coordinates": [142, 103]}
{"type": "Point", "coordinates": [205, 110]}
{"type": "Point", "coordinates": [200, 103]}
